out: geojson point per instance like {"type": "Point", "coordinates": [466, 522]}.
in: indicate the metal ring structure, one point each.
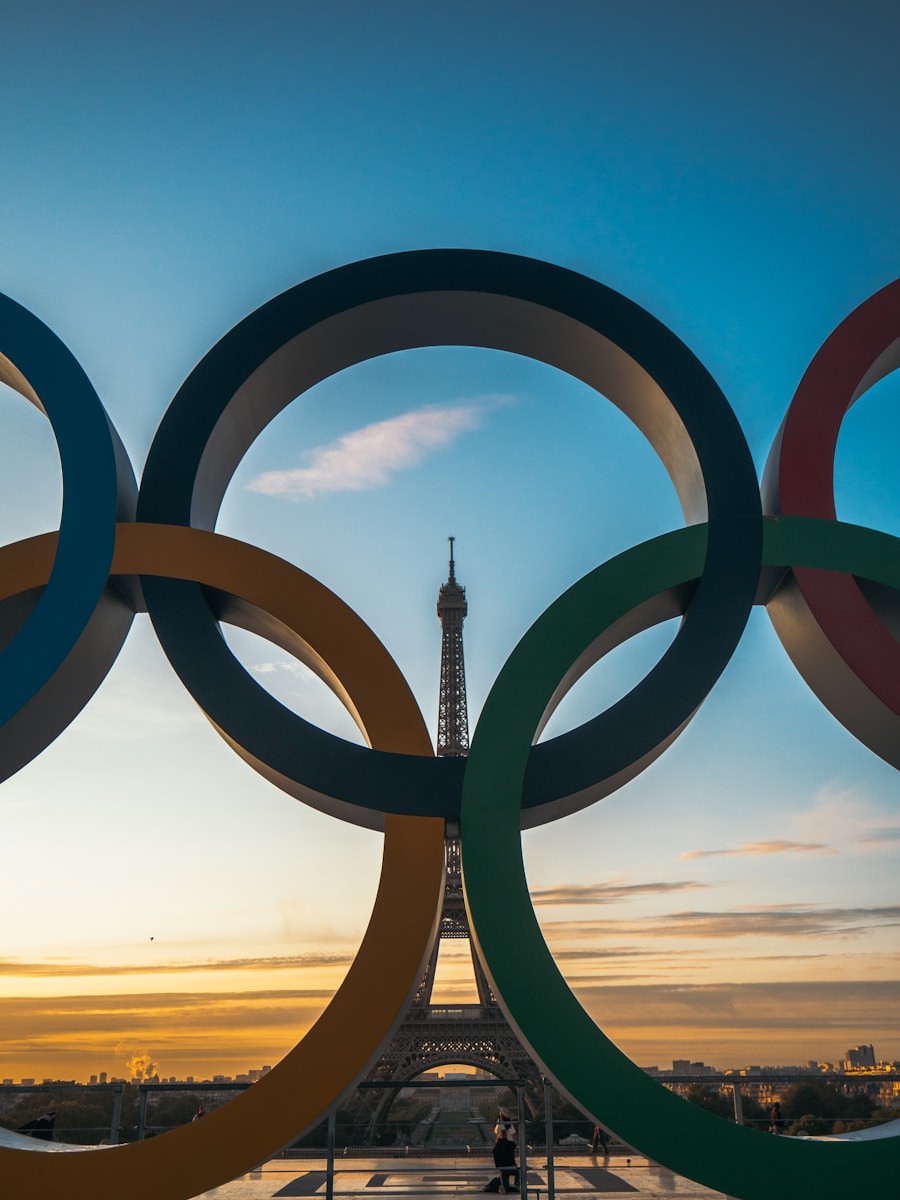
{"type": "Point", "coordinates": [466, 298]}
{"type": "Point", "coordinates": [559, 1033]}
{"type": "Point", "coordinates": [840, 634]}
{"type": "Point", "coordinates": [337, 1050]}
{"type": "Point", "coordinates": [192, 578]}
{"type": "Point", "coordinates": [52, 645]}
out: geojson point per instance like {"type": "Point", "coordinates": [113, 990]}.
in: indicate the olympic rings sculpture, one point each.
{"type": "Point", "coordinates": [67, 601]}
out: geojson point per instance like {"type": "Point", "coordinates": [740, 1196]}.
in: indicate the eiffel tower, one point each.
{"type": "Point", "coordinates": [432, 1035]}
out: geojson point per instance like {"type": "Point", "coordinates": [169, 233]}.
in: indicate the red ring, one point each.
{"type": "Point", "coordinates": [799, 481]}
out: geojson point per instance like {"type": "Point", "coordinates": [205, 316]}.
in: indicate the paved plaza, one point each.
{"type": "Point", "coordinates": [419, 1179]}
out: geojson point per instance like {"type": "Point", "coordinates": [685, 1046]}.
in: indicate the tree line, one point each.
{"type": "Point", "coordinates": [813, 1108]}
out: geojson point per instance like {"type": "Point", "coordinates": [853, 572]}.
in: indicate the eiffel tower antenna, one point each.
{"type": "Point", "coordinates": [433, 1035]}
{"type": "Point", "coordinates": [453, 718]}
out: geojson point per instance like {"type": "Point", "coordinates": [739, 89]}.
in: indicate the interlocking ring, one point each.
{"type": "Point", "coordinates": [335, 1053]}
{"type": "Point", "coordinates": [837, 630]}
{"type": "Point", "coordinates": [558, 1032]}
{"type": "Point", "coordinates": [58, 645]}
{"type": "Point", "coordinates": [190, 578]}
{"type": "Point", "coordinates": [471, 298]}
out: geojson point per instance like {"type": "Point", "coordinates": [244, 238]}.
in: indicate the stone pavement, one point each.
{"type": "Point", "coordinates": [578, 1178]}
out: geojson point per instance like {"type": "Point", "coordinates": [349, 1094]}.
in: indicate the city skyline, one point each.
{"type": "Point", "coordinates": [857, 1059]}
{"type": "Point", "coordinates": [169, 172]}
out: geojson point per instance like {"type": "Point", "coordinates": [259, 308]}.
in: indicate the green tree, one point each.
{"type": "Point", "coordinates": [82, 1118]}
{"type": "Point", "coordinates": [820, 1099]}
{"type": "Point", "coordinates": [712, 1101]}
{"type": "Point", "coordinates": [168, 1110]}
{"type": "Point", "coordinates": [811, 1126]}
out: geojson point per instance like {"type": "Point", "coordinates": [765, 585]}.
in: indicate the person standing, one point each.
{"type": "Point", "coordinates": [600, 1141]}
{"type": "Point", "coordinates": [505, 1122]}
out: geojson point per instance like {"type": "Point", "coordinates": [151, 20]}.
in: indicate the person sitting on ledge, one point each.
{"type": "Point", "coordinates": [40, 1127]}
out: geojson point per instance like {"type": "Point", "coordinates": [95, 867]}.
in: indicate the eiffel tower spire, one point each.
{"type": "Point", "coordinates": [453, 717]}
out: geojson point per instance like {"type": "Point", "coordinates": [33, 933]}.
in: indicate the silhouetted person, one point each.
{"type": "Point", "coordinates": [505, 1123]}
{"type": "Point", "coordinates": [40, 1127]}
{"type": "Point", "coordinates": [600, 1141]}
{"type": "Point", "coordinates": [776, 1120]}
{"type": "Point", "coordinates": [201, 1112]}
{"type": "Point", "coordinates": [505, 1162]}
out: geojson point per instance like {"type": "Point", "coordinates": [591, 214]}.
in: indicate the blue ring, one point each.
{"type": "Point", "coordinates": [37, 697]}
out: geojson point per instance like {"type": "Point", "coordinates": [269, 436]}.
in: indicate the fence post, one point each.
{"type": "Point", "coordinates": [116, 1116]}
{"type": "Point", "coordinates": [329, 1166]}
{"type": "Point", "coordinates": [523, 1149]}
{"type": "Point", "coordinates": [548, 1134]}
{"type": "Point", "coordinates": [738, 1104]}
{"type": "Point", "coordinates": [142, 1112]}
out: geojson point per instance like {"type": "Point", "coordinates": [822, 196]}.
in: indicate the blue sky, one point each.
{"type": "Point", "coordinates": [732, 168]}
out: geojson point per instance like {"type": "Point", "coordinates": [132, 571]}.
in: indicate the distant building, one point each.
{"type": "Point", "coordinates": [860, 1056]}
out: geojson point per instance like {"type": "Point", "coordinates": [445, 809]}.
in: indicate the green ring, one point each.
{"type": "Point", "coordinates": [563, 1038]}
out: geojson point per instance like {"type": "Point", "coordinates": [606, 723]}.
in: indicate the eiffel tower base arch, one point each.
{"type": "Point", "coordinates": [431, 1035]}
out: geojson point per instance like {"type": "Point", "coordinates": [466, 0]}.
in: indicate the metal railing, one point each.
{"type": "Point", "coordinates": [58, 1089]}
{"type": "Point", "coordinates": [517, 1086]}
{"type": "Point", "coordinates": [195, 1089]}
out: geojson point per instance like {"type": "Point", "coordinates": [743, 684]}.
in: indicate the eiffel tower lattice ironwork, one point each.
{"type": "Point", "coordinates": [432, 1035]}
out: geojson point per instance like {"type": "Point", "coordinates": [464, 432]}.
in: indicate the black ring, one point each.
{"type": "Point", "coordinates": [471, 298]}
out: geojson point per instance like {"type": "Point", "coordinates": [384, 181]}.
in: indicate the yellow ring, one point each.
{"type": "Point", "coordinates": [350, 1033]}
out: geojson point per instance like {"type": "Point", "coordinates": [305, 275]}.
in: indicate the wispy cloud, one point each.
{"type": "Point", "coordinates": [606, 893]}
{"type": "Point", "coordinates": [889, 835]}
{"type": "Point", "coordinates": [776, 846]}
{"type": "Point", "coordinates": [605, 954]}
{"type": "Point", "coordinates": [804, 1008]}
{"type": "Point", "coordinates": [790, 920]}
{"type": "Point", "coordinates": [51, 968]}
{"type": "Point", "coordinates": [849, 817]}
{"type": "Point", "coordinates": [289, 666]}
{"type": "Point", "coordinates": [367, 458]}
{"type": "Point", "coordinates": [185, 1032]}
